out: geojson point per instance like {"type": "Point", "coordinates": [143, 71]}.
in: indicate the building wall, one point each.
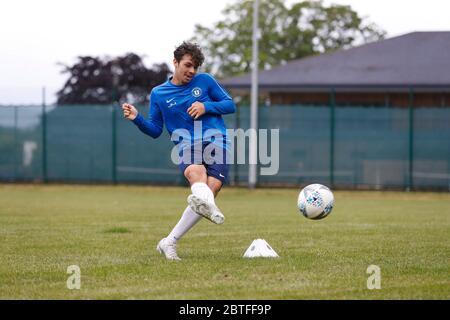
{"type": "Point", "coordinates": [401, 99]}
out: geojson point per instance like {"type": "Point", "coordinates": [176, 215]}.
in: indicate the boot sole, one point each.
{"type": "Point", "coordinates": [205, 209]}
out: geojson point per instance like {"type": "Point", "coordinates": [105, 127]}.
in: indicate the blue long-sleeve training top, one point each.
{"type": "Point", "coordinates": [169, 104]}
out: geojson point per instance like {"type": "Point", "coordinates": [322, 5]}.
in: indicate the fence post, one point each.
{"type": "Point", "coordinates": [114, 144]}
{"type": "Point", "coordinates": [237, 125]}
{"type": "Point", "coordinates": [411, 140]}
{"type": "Point", "coordinates": [16, 149]}
{"type": "Point", "coordinates": [332, 120]}
{"type": "Point", "coordinates": [44, 138]}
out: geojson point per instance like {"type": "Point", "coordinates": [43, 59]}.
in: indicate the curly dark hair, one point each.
{"type": "Point", "coordinates": [191, 49]}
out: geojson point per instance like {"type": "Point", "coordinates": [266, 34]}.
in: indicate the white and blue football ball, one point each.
{"type": "Point", "coordinates": [315, 201]}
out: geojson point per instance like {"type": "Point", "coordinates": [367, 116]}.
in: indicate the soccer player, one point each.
{"type": "Point", "coordinates": [189, 102]}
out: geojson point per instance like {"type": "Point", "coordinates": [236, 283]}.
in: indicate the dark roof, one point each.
{"type": "Point", "coordinates": [418, 59]}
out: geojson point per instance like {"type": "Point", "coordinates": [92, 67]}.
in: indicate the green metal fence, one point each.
{"type": "Point", "coordinates": [341, 146]}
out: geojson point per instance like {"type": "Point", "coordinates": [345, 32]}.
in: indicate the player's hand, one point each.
{"type": "Point", "coordinates": [129, 111]}
{"type": "Point", "coordinates": [196, 110]}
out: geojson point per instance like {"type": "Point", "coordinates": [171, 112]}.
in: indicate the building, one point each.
{"type": "Point", "coordinates": [410, 69]}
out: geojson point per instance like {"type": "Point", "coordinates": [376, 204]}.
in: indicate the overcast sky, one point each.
{"type": "Point", "coordinates": [35, 35]}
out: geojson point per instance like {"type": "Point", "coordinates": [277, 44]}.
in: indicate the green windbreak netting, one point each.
{"type": "Point", "coordinates": [21, 143]}
{"type": "Point", "coordinates": [304, 143]}
{"type": "Point", "coordinates": [8, 143]}
{"type": "Point", "coordinates": [431, 151]}
{"type": "Point", "coordinates": [344, 146]}
{"type": "Point", "coordinates": [371, 146]}
{"type": "Point", "coordinates": [79, 143]}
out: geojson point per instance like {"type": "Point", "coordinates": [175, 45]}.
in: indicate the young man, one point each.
{"type": "Point", "coordinates": [188, 104]}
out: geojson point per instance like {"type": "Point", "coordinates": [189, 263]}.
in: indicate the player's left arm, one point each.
{"type": "Point", "coordinates": [222, 102]}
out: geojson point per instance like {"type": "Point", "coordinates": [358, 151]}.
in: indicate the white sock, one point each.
{"type": "Point", "coordinates": [202, 191]}
{"type": "Point", "coordinates": [187, 221]}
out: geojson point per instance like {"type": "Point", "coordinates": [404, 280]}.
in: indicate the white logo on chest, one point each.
{"type": "Point", "coordinates": [196, 92]}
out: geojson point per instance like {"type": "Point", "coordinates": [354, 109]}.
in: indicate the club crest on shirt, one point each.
{"type": "Point", "coordinates": [196, 92]}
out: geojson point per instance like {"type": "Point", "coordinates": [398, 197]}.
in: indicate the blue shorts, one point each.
{"type": "Point", "coordinates": [216, 169]}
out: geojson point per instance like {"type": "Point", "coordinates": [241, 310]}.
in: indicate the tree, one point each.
{"type": "Point", "coordinates": [93, 80]}
{"type": "Point", "coordinates": [306, 28]}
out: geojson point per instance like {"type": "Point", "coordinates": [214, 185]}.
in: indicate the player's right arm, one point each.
{"type": "Point", "coordinates": [152, 126]}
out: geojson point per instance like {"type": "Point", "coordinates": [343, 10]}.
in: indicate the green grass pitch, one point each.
{"type": "Point", "coordinates": [111, 232]}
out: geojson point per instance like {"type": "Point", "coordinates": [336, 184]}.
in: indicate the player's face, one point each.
{"type": "Point", "coordinates": [185, 69]}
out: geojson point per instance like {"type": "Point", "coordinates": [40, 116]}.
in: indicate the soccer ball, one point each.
{"type": "Point", "coordinates": [315, 201]}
